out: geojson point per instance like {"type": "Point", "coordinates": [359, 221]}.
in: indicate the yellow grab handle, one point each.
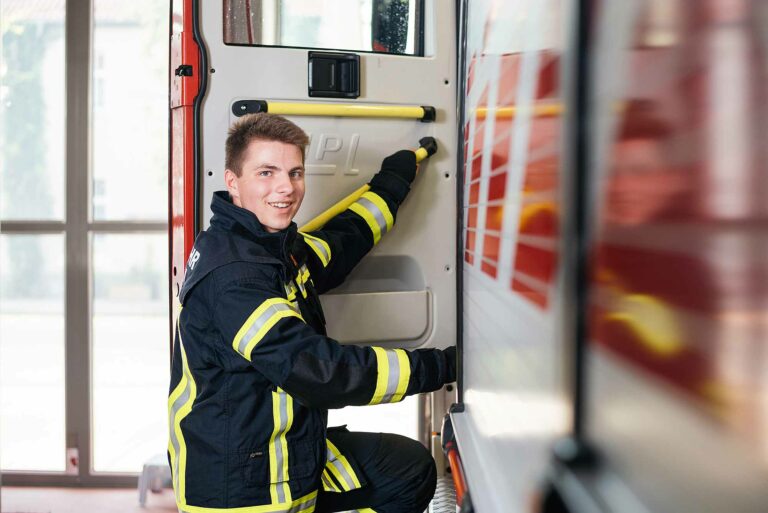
{"type": "Point", "coordinates": [319, 221]}
{"type": "Point", "coordinates": [427, 148]}
{"type": "Point", "coordinates": [425, 113]}
{"type": "Point", "coordinates": [421, 154]}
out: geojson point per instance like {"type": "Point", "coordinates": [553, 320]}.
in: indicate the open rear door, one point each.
{"type": "Point", "coordinates": [257, 55]}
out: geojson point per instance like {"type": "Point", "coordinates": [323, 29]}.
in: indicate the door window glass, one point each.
{"type": "Point", "coordinates": [385, 26]}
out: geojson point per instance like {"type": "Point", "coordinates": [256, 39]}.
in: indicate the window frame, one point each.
{"type": "Point", "coordinates": [77, 228]}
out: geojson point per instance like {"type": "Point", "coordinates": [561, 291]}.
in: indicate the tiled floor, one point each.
{"type": "Point", "coordinates": [82, 500]}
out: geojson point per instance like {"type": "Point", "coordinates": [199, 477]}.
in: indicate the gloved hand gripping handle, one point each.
{"type": "Point", "coordinates": [427, 148]}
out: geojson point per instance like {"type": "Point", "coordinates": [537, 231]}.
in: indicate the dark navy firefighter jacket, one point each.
{"type": "Point", "coordinates": [253, 370]}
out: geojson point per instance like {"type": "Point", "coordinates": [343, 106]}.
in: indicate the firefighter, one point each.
{"type": "Point", "coordinates": [253, 370]}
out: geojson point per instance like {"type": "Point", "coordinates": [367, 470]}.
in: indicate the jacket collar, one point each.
{"type": "Point", "coordinates": [229, 217]}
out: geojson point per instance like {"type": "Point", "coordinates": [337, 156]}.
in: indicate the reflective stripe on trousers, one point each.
{"type": "Point", "coordinates": [338, 470]}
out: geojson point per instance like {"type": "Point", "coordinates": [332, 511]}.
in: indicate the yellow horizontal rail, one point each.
{"type": "Point", "coordinates": [319, 221]}
{"type": "Point", "coordinates": [347, 110]}
{"type": "Point", "coordinates": [545, 110]}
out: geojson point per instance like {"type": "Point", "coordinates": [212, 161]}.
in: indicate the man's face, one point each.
{"type": "Point", "coordinates": [271, 183]}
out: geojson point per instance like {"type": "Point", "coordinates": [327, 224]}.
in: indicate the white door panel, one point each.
{"type": "Point", "coordinates": [414, 277]}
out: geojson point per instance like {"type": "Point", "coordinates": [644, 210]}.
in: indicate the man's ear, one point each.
{"type": "Point", "coordinates": [230, 180]}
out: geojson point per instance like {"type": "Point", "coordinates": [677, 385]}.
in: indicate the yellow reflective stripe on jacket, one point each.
{"type": "Point", "coordinates": [319, 246]}
{"type": "Point", "coordinates": [363, 510]}
{"type": "Point", "coordinates": [340, 468]}
{"type": "Point", "coordinates": [179, 406]}
{"type": "Point", "coordinates": [301, 279]}
{"type": "Point", "coordinates": [305, 504]}
{"type": "Point", "coordinates": [394, 373]}
{"type": "Point", "coordinates": [290, 291]}
{"type": "Point", "coordinates": [376, 213]}
{"type": "Point", "coordinates": [282, 415]}
{"type": "Point", "coordinates": [329, 485]}
{"type": "Point", "coordinates": [260, 322]}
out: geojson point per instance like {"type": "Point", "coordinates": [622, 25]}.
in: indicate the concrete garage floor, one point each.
{"type": "Point", "coordinates": [15, 499]}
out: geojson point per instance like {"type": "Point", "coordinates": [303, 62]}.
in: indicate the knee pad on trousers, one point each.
{"type": "Point", "coordinates": [411, 464]}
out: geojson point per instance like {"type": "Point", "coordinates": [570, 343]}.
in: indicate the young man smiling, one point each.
{"type": "Point", "coordinates": [253, 370]}
{"type": "Point", "coordinates": [268, 181]}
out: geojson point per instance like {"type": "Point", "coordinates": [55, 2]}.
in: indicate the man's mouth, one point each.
{"type": "Point", "coordinates": [280, 204]}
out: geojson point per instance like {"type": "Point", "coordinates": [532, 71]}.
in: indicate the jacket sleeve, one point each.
{"type": "Point", "coordinates": [263, 327]}
{"type": "Point", "coordinates": [336, 249]}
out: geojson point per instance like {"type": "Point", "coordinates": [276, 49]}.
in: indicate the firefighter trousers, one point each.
{"type": "Point", "coordinates": [399, 472]}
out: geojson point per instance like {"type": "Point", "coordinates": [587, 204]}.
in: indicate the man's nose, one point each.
{"type": "Point", "coordinates": [284, 183]}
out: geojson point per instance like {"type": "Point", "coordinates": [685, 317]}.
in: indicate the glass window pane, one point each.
{"type": "Point", "coordinates": [130, 110]}
{"type": "Point", "coordinates": [32, 110]}
{"type": "Point", "coordinates": [131, 350]}
{"type": "Point", "coordinates": [32, 352]}
{"type": "Point", "coordinates": [387, 26]}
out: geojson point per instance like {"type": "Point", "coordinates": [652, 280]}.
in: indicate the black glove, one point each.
{"type": "Point", "coordinates": [396, 174]}
{"type": "Point", "coordinates": [437, 367]}
{"type": "Point", "coordinates": [402, 164]}
{"type": "Point", "coordinates": [450, 364]}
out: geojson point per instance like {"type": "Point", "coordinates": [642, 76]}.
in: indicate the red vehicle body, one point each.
{"type": "Point", "coordinates": [613, 200]}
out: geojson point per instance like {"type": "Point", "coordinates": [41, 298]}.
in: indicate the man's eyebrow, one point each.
{"type": "Point", "coordinates": [265, 165]}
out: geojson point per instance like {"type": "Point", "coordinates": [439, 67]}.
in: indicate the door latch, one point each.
{"type": "Point", "coordinates": [185, 70]}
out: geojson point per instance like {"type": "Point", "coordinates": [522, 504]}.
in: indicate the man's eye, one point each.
{"type": "Point", "coordinates": [296, 174]}
{"type": "Point", "coordinates": [265, 173]}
